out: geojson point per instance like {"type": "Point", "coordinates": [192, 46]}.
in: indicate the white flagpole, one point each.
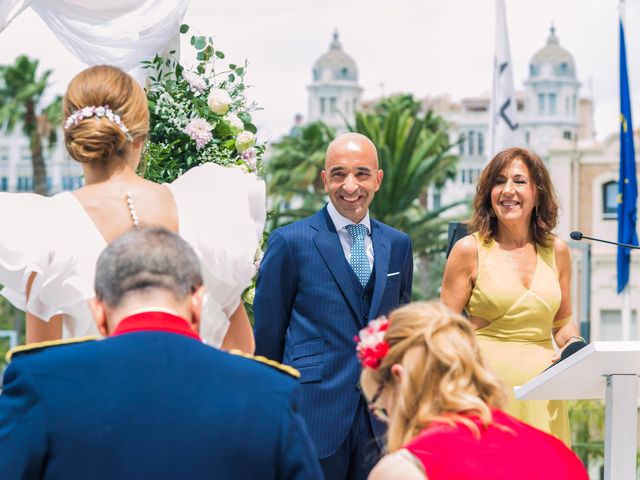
{"type": "Point", "coordinates": [503, 124]}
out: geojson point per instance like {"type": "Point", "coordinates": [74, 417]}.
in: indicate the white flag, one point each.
{"type": "Point", "coordinates": [503, 123]}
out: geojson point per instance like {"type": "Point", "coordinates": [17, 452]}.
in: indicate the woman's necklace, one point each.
{"type": "Point", "coordinates": [132, 211]}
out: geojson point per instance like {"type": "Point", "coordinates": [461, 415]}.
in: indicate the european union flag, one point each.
{"type": "Point", "coordinates": [627, 183]}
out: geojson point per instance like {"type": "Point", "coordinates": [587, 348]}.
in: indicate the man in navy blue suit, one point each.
{"type": "Point", "coordinates": [151, 401]}
{"type": "Point", "coordinates": [321, 280]}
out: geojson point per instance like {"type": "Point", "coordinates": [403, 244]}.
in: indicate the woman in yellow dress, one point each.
{"type": "Point", "coordinates": [513, 276]}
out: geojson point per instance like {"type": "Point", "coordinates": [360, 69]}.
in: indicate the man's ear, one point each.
{"type": "Point", "coordinates": [323, 175]}
{"type": "Point", "coordinates": [196, 308]}
{"type": "Point", "coordinates": [379, 177]}
{"type": "Point", "coordinates": [99, 311]}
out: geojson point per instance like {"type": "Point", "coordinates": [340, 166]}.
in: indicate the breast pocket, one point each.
{"type": "Point", "coordinates": [308, 358]}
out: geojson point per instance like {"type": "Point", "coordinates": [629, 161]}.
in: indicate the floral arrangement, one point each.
{"type": "Point", "coordinates": [198, 115]}
{"type": "Point", "coordinates": [372, 347]}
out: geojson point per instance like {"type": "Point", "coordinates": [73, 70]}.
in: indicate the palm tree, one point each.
{"type": "Point", "coordinates": [21, 92]}
{"type": "Point", "coordinates": [414, 152]}
{"type": "Point", "coordinates": [293, 173]}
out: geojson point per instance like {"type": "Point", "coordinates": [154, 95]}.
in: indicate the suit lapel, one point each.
{"type": "Point", "coordinates": [328, 244]}
{"type": "Point", "coordinates": [381, 257]}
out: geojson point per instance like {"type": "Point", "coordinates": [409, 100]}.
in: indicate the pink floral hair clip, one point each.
{"type": "Point", "coordinates": [99, 112]}
{"type": "Point", "coordinates": [372, 347]}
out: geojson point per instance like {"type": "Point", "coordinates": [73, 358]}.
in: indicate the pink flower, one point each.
{"type": "Point", "coordinates": [200, 131]}
{"type": "Point", "coordinates": [372, 347]}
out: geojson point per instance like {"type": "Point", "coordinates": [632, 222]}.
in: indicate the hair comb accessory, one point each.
{"type": "Point", "coordinates": [99, 112]}
{"type": "Point", "coordinates": [372, 347]}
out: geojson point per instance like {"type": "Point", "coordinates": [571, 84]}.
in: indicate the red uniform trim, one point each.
{"type": "Point", "coordinates": [156, 322]}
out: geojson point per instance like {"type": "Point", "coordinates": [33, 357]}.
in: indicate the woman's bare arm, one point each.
{"type": "Point", "coordinates": [37, 329]}
{"type": "Point", "coordinates": [240, 334]}
{"type": "Point", "coordinates": [460, 274]}
{"type": "Point", "coordinates": [562, 335]}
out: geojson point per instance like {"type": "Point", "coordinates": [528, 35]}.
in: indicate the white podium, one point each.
{"type": "Point", "coordinates": [607, 370]}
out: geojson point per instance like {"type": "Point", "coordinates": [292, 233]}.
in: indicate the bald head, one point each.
{"type": "Point", "coordinates": [351, 142]}
{"type": "Point", "coordinates": [351, 175]}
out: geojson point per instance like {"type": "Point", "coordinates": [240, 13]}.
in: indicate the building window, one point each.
{"type": "Point", "coordinates": [610, 200]}
{"type": "Point", "coordinates": [480, 143]}
{"type": "Point", "coordinates": [71, 183]}
{"type": "Point", "coordinates": [611, 325]}
{"type": "Point", "coordinates": [463, 175]}
{"type": "Point", "coordinates": [332, 105]}
{"type": "Point", "coordinates": [574, 103]}
{"type": "Point", "coordinates": [527, 137]}
{"type": "Point", "coordinates": [25, 184]}
{"type": "Point", "coordinates": [354, 106]}
{"type": "Point", "coordinates": [4, 184]}
{"type": "Point", "coordinates": [541, 103]}
{"type": "Point", "coordinates": [461, 144]}
{"type": "Point", "coordinates": [4, 153]}
{"type": "Point", "coordinates": [316, 74]}
{"type": "Point", "coordinates": [346, 106]}
{"type": "Point", "coordinates": [471, 141]}
{"type": "Point", "coordinates": [566, 135]}
{"type": "Point", "coordinates": [552, 103]}
{"type": "Point", "coordinates": [345, 72]}
{"type": "Point", "coordinates": [437, 199]}
{"type": "Point", "coordinates": [322, 105]}
{"type": "Point", "coordinates": [566, 105]}
{"type": "Point", "coordinates": [25, 154]}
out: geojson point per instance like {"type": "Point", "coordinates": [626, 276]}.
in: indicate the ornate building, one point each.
{"type": "Point", "coordinates": [16, 174]}
{"type": "Point", "coordinates": [334, 93]}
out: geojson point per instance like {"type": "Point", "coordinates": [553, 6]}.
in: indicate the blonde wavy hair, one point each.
{"type": "Point", "coordinates": [99, 139]}
{"type": "Point", "coordinates": [445, 377]}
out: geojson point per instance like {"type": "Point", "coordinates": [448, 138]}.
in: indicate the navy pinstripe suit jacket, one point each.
{"type": "Point", "coordinates": [307, 314]}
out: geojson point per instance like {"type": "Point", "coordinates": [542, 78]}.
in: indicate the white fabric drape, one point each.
{"type": "Point", "coordinates": [115, 32]}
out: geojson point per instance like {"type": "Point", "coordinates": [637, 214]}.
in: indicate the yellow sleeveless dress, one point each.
{"type": "Point", "coordinates": [517, 341]}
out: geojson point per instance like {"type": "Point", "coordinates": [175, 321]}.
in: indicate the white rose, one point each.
{"type": "Point", "coordinates": [218, 101]}
{"type": "Point", "coordinates": [234, 121]}
{"type": "Point", "coordinates": [244, 141]}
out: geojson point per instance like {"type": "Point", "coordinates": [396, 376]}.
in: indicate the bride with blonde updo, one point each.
{"type": "Point", "coordinates": [47, 258]}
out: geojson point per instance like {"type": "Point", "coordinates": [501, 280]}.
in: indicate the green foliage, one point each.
{"type": "Point", "coordinates": [293, 172]}
{"type": "Point", "coordinates": [414, 152]}
{"type": "Point", "coordinates": [186, 128]}
{"type": "Point", "coordinates": [21, 92]}
{"type": "Point", "coordinates": [10, 319]}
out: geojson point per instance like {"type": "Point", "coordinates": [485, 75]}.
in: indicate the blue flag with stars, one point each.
{"type": "Point", "coordinates": [627, 183]}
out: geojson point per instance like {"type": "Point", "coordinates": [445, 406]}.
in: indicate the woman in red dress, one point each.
{"type": "Point", "coordinates": [422, 371]}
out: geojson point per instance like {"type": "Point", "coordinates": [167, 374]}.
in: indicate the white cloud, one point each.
{"type": "Point", "coordinates": [425, 47]}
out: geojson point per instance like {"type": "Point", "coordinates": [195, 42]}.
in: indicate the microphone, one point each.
{"type": "Point", "coordinates": [580, 236]}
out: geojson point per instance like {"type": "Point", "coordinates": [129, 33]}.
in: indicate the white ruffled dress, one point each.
{"type": "Point", "coordinates": [221, 213]}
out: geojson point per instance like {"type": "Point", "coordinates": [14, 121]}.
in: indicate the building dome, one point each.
{"type": "Point", "coordinates": [552, 59]}
{"type": "Point", "coordinates": [335, 64]}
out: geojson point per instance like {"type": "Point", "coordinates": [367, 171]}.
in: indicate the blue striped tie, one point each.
{"type": "Point", "coordinates": [359, 261]}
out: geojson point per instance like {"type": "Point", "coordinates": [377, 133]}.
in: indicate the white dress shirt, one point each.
{"type": "Point", "coordinates": [346, 240]}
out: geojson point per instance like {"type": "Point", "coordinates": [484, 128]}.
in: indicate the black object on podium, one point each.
{"type": "Point", "coordinates": [457, 230]}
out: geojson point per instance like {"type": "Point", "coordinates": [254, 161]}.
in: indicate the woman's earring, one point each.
{"type": "Point", "coordinates": [535, 210]}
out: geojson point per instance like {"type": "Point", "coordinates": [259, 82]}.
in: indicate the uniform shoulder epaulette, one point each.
{"type": "Point", "coordinates": [37, 346]}
{"type": "Point", "coordinates": [266, 361]}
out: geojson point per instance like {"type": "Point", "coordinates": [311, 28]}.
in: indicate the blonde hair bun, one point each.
{"type": "Point", "coordinates": [99, 139]}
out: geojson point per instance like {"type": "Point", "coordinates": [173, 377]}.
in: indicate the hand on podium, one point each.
{"type": "Point", "coordinates": [573, 345]}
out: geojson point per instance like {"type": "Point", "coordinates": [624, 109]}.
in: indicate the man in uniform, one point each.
{"type": "Point", "coordinates": [150, 401]}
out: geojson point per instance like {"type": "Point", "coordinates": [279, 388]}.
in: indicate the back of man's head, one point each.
{"type": "Point", "coordinates": [146, 260]}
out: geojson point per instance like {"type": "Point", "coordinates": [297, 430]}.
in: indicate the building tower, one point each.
{"type": "Point", "coordinates": [334, 93]}
{"type": "Point", "coordinates": [552, 109]}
